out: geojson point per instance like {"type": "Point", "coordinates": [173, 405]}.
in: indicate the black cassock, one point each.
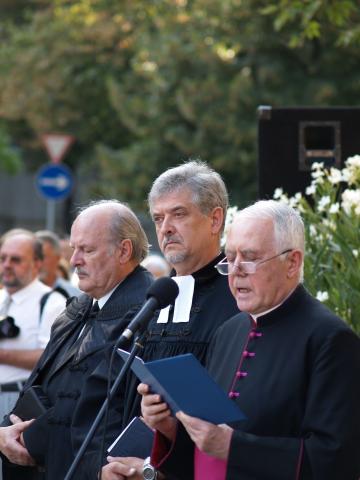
{"type": "Point", "coordinates": [299, 388]}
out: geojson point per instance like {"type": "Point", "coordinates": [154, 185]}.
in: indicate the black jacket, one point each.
{"type": "Point", "coordinates": [64, 368]}
{"type": "Point", "coordinates": [300, 394]}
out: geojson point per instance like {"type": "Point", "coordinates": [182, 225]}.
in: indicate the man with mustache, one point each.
{"type": "Point", "coordinates": [108, 245]}
{"type": "Point", "coordinates": [188, 205]}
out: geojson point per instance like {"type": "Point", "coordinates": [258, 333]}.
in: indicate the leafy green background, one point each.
{"type": "Point", "coordinates": [146, 84]}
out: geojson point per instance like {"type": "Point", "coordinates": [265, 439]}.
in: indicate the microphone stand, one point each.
{"type": "Point", "coordinates": [135, 349]}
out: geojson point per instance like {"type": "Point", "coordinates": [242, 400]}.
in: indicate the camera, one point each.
{"type": "Point", "coordinates": [8, 328]}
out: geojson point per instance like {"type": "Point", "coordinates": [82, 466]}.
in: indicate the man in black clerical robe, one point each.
{"type": "Point", "coordinates": [291, 365]}
{"type": "Point", "coordinates": [187, 204]}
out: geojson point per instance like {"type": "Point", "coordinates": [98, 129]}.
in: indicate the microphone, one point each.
{"type": "Point", "coordinates": [159, 295]}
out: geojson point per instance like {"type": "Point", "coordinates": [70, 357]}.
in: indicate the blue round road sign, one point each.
{"type": "Point", "coordinates": [54, 182]}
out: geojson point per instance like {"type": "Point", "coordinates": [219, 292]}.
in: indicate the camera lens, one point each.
{"type": "Point", "coordinates": [8, 328]}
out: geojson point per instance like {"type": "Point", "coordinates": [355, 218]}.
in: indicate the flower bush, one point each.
{"type": "Point", "coordinates": [331, 213]}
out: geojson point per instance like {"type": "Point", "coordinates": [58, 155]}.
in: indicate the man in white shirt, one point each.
{"type": "Point", "coordinates": [20, 261]}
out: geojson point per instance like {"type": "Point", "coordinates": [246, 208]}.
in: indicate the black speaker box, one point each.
{"type": "Point", "coordinates": [290, 140]}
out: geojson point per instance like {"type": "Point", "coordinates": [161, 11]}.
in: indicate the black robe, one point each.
{"type": "Point", "coordinates": [63, 371]}
{"type": "Point", "coordinates": [212, 305]}
{"type": "Point", "coordinates": [301, 396]}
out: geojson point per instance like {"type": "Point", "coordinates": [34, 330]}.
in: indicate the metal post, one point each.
{"type": "Point", "coordinates": [50, 215]}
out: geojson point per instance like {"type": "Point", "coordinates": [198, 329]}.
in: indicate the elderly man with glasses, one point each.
{"type": "Point", "coordinates": [290, 364]}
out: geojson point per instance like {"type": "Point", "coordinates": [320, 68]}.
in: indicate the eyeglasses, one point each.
{"type": "Point", "coordinates": [226, 268]}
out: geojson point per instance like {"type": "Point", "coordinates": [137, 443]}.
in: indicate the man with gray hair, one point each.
{"type": "Point", "coordinates": [108, 245]}
{"type": "Point", "coordinates": [291, 365]}
{"type": "Point", "coordinates": [188, 205]}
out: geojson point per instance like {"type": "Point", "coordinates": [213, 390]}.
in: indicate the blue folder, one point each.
{"type": "Point", "coordinates": [184, 384]}
{"type": "Point", "coordinates": [134, 441]}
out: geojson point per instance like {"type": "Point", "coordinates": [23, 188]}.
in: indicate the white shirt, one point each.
{"type": "Point", "coordinates": [25, 309]}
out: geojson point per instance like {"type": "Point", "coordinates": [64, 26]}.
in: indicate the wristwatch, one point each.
{"type": "Point", "coordinates": [149, 472]}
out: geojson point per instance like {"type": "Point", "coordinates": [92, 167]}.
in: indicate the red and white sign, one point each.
{"type": "Point", "coordinates": [57, 145]}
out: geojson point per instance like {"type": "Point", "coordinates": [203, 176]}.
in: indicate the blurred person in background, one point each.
{"type": "Point", "coordinates": [49, 273]}
{"type": "Point", "coordinates": [63, 269]}
{"type": "Point", "coordinates": [20, 304]}
{"type": "Point", "coordinates": [156, 265]}
{"type": "Point", "coordinates": [66, 253]}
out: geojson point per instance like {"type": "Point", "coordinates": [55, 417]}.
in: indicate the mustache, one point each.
{"type": "Point", "coordinates": [171, 239]}
{"type": "Point", "coordinates": [80, 271]}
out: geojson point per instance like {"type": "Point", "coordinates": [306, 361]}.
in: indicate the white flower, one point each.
{"type": "Point", "coordinates": [335, 207]}
{"type": "Point", "coordinates": [351, 201]}
{"type": "Point", "coordinates": [292, 202]}
{"type": "Point", "coordinates": [298, 196]}
{"type": "Point", "coordinates": [355, 253]}
{"type": "Point", "coordinates": [284, 199]}
{"type": "Point", "coordinates": [323, 202]}
{"type": "Point", "coordinates": [351, 173]}
{"type": "Point", "coordinates": [230, 214]}
{"type": "Point", "coordinates": [316, 174]}
{"type": "Point", "coordinates": [317, 166]}
{"type": "Point", "coordinates": [322, 296]}
{"type": "Point", "coordinates": [346, 174]}
{"type": "Point", "coordinates": [278, 193]}
{"type": "Point", "coordinates": [312, 231]}
{"type": "Point", "coordinates": [329, 224]}
{"type": "Point", "coordinates": [335, 176]}
{"type": "Point", "coordinates": [311, 190]}
{"type": "Point", "coordinates": [353, 161]}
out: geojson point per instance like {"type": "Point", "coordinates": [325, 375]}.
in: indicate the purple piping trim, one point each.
{"type": "Point", "coordinates": [241, 358]}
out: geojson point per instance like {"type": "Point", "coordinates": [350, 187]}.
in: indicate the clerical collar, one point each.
{"type": "Point", "coordinates": [255, 316]}
{"type": "Point", "coordinates": [183, 302]}
{"type": "Point", "coordinates": [186, 284]}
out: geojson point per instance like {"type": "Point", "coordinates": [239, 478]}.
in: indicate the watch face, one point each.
{"type": "Point", "coordinates": [149, 473]}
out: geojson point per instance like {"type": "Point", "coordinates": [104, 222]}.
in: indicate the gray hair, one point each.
{"type": "Point", "coordinates": [207, 187]}
{"type": "Point", "coordinates": [51, 238]}
{"type": "Point", "coordinates": [124, 224]}
{"type": "Point", "coordinates": [289, 229]}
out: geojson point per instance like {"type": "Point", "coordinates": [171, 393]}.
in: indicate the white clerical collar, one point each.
{"type": "Point", "coordinates": [183, 301]}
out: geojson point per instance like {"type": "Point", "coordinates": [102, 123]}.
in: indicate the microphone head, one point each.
{"type": "Point", "coordinates": [164, 290]}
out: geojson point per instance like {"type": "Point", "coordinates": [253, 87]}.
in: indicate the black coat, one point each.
{"type": "Point", "coordinates": [212, 305]}
{"type": "Point", "coordinates": [64, 369]}
{"type": "Point", "coordinates": [301, 395]}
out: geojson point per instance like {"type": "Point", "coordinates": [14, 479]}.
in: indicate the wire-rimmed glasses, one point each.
{"type": "Point", "coordinates": [226, 268]}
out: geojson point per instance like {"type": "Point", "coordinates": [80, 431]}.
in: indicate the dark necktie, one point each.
{"type": "Point", "coordinates": [94, 309]}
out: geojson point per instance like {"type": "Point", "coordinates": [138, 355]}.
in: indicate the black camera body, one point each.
{"type": "Point", "coordinates": [8, 328]}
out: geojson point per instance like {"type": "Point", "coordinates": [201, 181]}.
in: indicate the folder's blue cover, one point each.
{"type": "Point", "coordinates": [184, 384]}
{"type": "Point", "coordinates": [134, 441]}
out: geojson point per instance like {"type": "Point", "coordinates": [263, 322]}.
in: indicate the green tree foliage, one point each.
{"type": "Point", "coordinates": [10, 159]}
{"type": "Point", "coordinates": [144, 85]}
